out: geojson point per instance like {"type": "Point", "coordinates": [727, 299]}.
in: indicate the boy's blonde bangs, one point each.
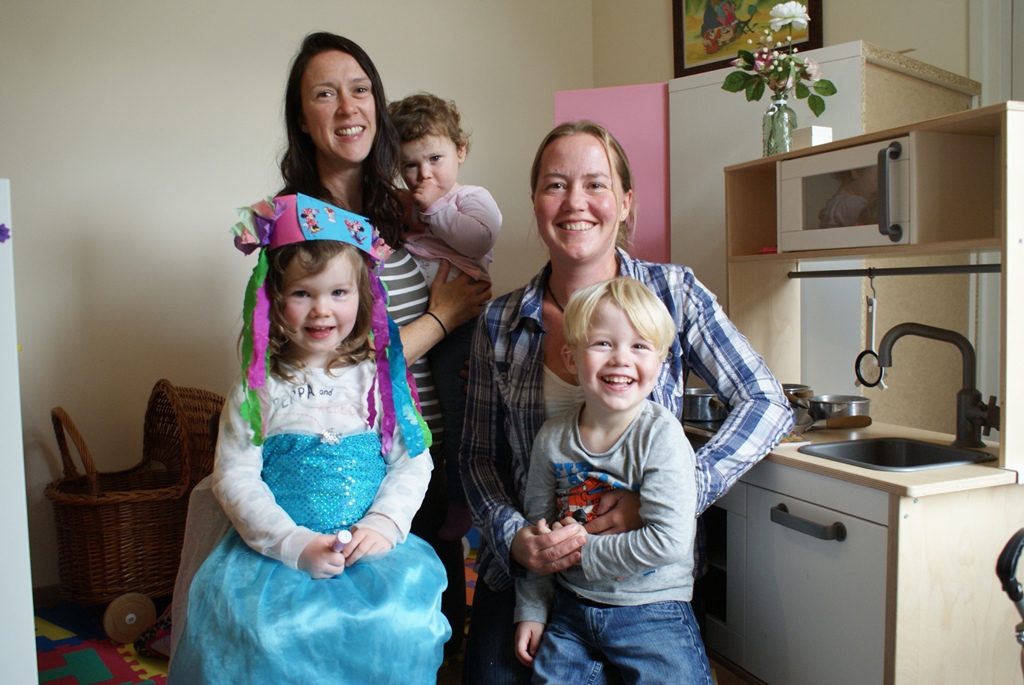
{"type": "Point", "coordinates": [644, 310]}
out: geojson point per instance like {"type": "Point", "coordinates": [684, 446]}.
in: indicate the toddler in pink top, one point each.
{"type": "Point", "coordinates": [446, 221]}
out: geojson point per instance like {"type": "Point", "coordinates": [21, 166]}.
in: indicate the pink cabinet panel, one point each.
{"type": "Point", "coordinates": [638, 117]}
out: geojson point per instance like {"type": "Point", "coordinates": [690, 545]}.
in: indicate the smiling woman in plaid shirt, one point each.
{"type": "Point", "coordinates": [583, 201]}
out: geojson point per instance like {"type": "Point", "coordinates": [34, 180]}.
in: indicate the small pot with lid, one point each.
{"type": "Point", "coordinates": [830, 411]}
{"type": "Point", "coordinates": [836, 411]}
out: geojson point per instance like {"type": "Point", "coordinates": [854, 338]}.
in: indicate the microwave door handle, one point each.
{"type": "Point", "coordinates": [894, 231]}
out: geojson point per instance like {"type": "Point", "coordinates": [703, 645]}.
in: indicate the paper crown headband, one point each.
{"type": "Point", "coordinates": [286, 219]}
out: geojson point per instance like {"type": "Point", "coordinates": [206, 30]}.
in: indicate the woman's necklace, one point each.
{"type": "Point", "coordinates": [553, 298]}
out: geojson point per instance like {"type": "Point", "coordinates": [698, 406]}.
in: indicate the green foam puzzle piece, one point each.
{"type": "Point", "coordinates": [85, 665]}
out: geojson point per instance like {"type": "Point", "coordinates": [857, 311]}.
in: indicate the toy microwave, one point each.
{"type": "Point", "coordinates": [921, 187]}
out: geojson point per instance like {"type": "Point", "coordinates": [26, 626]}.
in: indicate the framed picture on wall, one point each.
{"type": "Point", "coordinates": [707, 34]}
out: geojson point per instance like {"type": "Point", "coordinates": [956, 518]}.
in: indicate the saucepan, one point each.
{"type": "Point", "coordinates": [838, 406]}
{"type": "Point", "coordinates": [702, 404]}
{"type": "Point", "coordinates": [833, 411]}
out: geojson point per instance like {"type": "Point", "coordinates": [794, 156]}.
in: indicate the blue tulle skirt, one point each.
{"type": "Point", "coordinates": [252, 619]}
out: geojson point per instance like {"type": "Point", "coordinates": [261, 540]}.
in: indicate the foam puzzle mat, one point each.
{"type": "Point", "coordinates": [71, 649]}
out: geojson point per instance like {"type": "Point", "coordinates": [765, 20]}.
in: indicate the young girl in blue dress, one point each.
{"type": "Point", "coordinates": [320, 437]}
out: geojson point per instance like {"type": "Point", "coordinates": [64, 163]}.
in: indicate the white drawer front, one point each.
{"type": "Point", "coordinates": [815, 609]}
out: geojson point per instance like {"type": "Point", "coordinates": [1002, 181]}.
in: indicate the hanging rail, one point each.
{"type": "Point", "coordinates": [872, 272]}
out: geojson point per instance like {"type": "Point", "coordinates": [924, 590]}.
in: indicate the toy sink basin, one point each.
{"type": "Point", "coordinates": [896, 454]}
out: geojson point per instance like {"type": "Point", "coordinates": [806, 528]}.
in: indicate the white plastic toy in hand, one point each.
{"type": "Point", "coordinates": [344, 537]}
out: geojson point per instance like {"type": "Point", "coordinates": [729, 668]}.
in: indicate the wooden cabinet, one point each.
{"type": "Point", "coordinates": [908, 597]}
{"type": "Point", "coordinates": [914, 597]}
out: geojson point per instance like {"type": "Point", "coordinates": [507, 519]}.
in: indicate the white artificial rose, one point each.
{"type": "Point", "coordinates": [792, 13]}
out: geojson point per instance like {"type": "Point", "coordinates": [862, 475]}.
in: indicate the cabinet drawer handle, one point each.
{"type": "Point", "coordinates": [780, 515]}
{"type": "Point", "coordinates": [894, 231]}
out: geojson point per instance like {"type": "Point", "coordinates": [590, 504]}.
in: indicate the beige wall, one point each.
{"type": "Point", "coordinates": [935, 30]}
{"type": "Point", "coordinates": [131, 130]}
{"type": "Point", "coordinates": [633, 40]}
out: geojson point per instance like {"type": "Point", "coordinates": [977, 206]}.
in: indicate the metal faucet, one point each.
{"type": "Point", "coordinates": [971, 413]}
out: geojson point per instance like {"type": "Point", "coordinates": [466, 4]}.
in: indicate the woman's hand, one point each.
{"type": "Point", "coordinates": [319, 560]}
{"type": "Point", "coordinates": [618, 511]}
{"type": "Point", "coordinates": [528, 635]}
{"type": "Point", "coordinates": [545, 551]}
{"type": "Point", "coordinates": [365, 542]}
{"type": "Point", "coordinates": [457, 301]}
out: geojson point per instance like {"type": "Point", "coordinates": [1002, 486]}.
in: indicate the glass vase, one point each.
{"type": "Point", "coordinates": [777, 127]}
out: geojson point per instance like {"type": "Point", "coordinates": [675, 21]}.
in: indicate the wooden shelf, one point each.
{"type": "Point", "coordinates": [984, 121]}
{"type": "Point", "coordinates": [750, 190]}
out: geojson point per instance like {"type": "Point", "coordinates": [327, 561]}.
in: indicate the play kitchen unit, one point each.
{"type": "Point", "coordinates": [875, 563]}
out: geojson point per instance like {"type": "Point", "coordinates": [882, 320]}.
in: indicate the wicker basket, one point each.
{"type": "Point", "coordinates": [122, 532]}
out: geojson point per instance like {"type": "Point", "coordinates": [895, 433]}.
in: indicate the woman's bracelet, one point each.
{"type": "Point", "coordinates": [434, 317]}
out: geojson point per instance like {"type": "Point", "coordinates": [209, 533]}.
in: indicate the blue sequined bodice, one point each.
{"type": "Point", "coordinates": [325, 484]}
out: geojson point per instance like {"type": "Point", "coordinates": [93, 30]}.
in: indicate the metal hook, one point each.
{"type": "Point", "coordinates": [869, 373]}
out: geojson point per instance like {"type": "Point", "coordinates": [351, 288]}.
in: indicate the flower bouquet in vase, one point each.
{"type": "Point", "coordinates": [775, 65]}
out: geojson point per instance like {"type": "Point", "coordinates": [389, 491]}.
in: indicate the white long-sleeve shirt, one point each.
{"type": "Point", "coordinates": [316, 403]}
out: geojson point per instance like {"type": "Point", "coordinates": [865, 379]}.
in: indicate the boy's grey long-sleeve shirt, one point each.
{"type": "Point", "coordinates": [651, 564]}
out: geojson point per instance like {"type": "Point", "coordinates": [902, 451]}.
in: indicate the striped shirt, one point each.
{"type": "Point", "coordinates": [505, 408]}
{"type": "Point", "coordinates": [408, 297]}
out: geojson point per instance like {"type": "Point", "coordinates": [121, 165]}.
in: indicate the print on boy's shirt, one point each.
{"type": "Point", "coordinates": [578, 487]}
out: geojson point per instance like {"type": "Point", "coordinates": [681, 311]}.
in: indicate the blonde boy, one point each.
{"type": "Point", "coordinates": [637, 585]}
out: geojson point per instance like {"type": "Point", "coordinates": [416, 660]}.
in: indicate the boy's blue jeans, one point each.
{"type": "Point", "coordinates": [587, 644]}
